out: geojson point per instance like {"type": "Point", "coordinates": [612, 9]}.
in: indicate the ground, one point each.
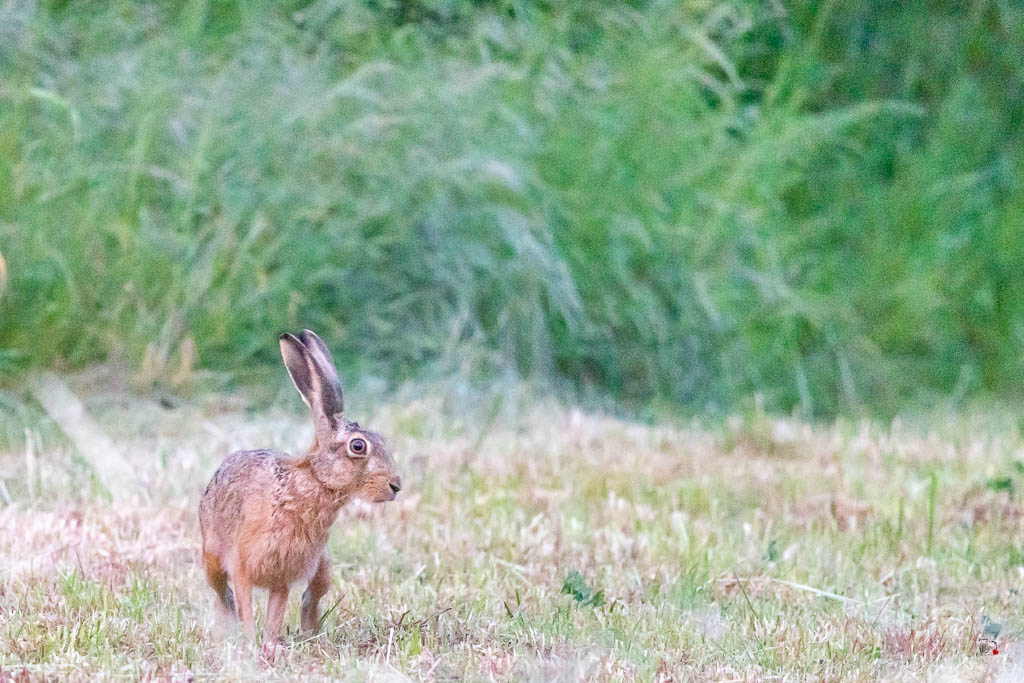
{"type": "Point", "coordinates": [540, 543]}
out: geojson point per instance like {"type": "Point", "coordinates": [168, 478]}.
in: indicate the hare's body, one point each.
{"type": "Point", "coordinates": [266, 516]}
{"type": "Point", "coordinates": [276, 549]}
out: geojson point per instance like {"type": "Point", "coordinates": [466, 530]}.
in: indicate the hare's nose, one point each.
{"type": "Point", "coordinates": [395, 484]}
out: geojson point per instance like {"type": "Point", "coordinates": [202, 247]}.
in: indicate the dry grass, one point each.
{"type": "Point", "coordinates": [756, 550]}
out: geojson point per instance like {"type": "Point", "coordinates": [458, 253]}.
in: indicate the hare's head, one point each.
{"type": "Point", "coordinates": [345, 457]}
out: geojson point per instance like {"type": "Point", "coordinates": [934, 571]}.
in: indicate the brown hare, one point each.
{"type": "Point", "coordinates": [265, 517]}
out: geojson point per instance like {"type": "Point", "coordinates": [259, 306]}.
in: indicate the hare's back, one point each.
{"type": "Point", "coordinates": [243, 476]}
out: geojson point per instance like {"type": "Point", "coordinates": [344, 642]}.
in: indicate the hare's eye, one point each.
{"type": "Point", "coordinates": [357, 446]}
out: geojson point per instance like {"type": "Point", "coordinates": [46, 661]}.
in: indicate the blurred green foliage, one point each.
{"type": "Point", "coordinates": [820, 202]}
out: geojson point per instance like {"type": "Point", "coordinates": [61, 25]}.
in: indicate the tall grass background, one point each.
{"type": "Point", "coordinates": [665, 203]}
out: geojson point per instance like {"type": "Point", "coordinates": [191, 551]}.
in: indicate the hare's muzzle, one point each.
{"type": "Point", "coordinates": [396, 485]}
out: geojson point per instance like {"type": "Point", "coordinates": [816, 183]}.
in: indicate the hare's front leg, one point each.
{"type": "Point", "coordinates": [243, 593]}
{"type": "Point", "coordinates": [318, 586]}
{"type": "Point", "coordinates": [276, 604]}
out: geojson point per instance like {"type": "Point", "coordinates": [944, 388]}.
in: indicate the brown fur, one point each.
{"type": "Point", "coordinates": [265, 516]}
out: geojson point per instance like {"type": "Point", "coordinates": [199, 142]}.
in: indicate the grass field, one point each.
{"type": "Point", "coordinates": [730, 209]}
{"type": "Point", "coordinates": [536, 543]}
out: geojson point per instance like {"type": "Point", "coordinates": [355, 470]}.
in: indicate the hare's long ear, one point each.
{"type": "Point", "coordinates": [323, 363]}
{"type": "Point", "coordinates": [294, 354]}
{"type": "Point", "coordinates": [314, 376]}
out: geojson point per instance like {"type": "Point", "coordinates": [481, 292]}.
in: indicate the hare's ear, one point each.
{"type": "Point", "coordinates": [294, 354]}
{"type": "Point", "coordinates": [332, 400]}
{"type": "Point", "coordinates": [318, 388]}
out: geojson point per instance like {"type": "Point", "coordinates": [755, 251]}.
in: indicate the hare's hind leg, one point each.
{"type": "Point", "coordinates": [318, 586]}
{"type": "Point", "coordinates": [218, 580]}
